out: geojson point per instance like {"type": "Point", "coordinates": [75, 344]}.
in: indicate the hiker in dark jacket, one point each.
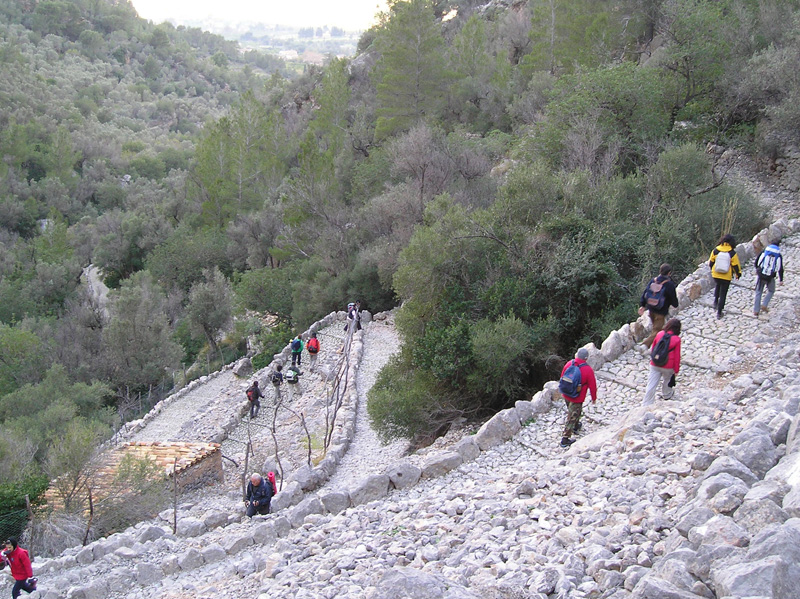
{"type": "Point", "coordinates": [724, 276]}
{"type": "Point", "coordinates": [253, 395]}
{"type": "Point", "coordinates": [297, 350]}
{"type": "Point", "coordinates": [657, 298]}
{"type": "Point", "coordinates": [259, 495]}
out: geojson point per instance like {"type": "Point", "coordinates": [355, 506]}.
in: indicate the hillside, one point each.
{"type": "Point", "coordinates": [687, 498]}
{"type": "Point", "coordinates": [506, 174]}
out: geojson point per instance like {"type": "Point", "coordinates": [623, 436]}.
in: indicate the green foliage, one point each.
{"type": "Point", "coordinates": [209, 306]}
{"type": "Point", "coordinates": [179, 261]}
{"type": "Point", "coordinates": [410, 77]}
{"type": "Point", "coordinates": [272, 340]}
{"type": "Point", "coordinates": [23, 357]}
{"type": "Point", "coordinates": [266, 290]}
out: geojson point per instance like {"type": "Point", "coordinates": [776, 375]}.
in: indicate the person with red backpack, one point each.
{"type": "Point", "coordinates": [253, 395]}
{"type": "Point", "coordinates": [577, 378]}
{"type": "Point", "coordinates": [259, 495]}
{"type": "Point", "coordinates": [658, 297]}
{"type": "Point", "coordinates": [21, 570]}
{"type": "Point", "coordinates": [313, 348]}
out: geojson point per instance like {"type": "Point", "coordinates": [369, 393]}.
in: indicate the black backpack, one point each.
{"type": "Point", "coordinates": [659, 354]}
{"type": "Point", "coordinates": [276, 378]}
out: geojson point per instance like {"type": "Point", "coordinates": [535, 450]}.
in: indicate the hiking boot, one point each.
{"type": "Point", "coordinates": [566, 441]}
{"type": "Point", "coordinates": [715, 304]}
{"type": "Point", "coordinates": [755, 314]}
{"type": "Point", "coordinates": [578, 426]}
{"type": "Point", "coordinates": [719, 315]}
{"type": "Point", "coordinates": [765, 309]}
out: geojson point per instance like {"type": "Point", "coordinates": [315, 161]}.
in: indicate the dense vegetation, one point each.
{"type": "Point", "coordinates": [511, 175]}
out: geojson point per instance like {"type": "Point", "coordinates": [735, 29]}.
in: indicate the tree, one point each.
{"type": "Point", "coordinates": [137, 341]}
{"type": "Point", "coordinates": [411, 78]}
{"type": "Point", "coordinates": [22, 357]}
{"type": "Point", "coordinates": [210, 306]}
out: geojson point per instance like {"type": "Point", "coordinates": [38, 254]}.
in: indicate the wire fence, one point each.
{"type": "Point", "coordinates": [12, 524]}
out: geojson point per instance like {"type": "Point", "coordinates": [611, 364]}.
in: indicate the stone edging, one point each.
{"type": "Point", "coordinates": [506, 423]}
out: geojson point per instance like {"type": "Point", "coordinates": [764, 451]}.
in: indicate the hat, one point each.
{"type": "Point", "coordinates": [582, 354]}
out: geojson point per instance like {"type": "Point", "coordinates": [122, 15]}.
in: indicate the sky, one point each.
{"type": "Point", "coordinates": [346, 14]}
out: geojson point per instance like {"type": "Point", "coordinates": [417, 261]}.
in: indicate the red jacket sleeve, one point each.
{"type": "Point", "coordinates": [592, 383]}
{"type": "Point", "coordinates": [676, 353]}
{"type": "Point", "coordinates": [25, 562]}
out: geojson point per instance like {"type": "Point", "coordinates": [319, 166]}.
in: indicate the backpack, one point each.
{"type": "Point", "coordinates": [722, 264]}
{"type": "Point", "coordinates": [767, 263]}
{"type": "Point", "coordinates": [271, 479]}
{"type": "Point", "coordinates": [570, 382]}
{"type": "Point", "coordinates": [313, 345]}
{"type": "Point", "coordinates": [297, 346]}
{"type": "Point", "coordinates": [251, 394]}
{"type": "Point", "coordinates": [654, 295]}
{"type": "Point", "coordinates": [291, 376]}
{"type": "Point", "coordinates": [276, 378]}
{"type": "Point", "coordinates": [660, 352]}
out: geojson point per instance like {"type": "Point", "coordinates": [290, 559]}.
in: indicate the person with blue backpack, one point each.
{"type": "Point", "coordinates": [577, 379]}
{"type": "Point", "coordinates": [768, 264]}
{"type": "Point", "coordinates": [657, 298]}
{"type": "Point", "coordinates": [297, 350]}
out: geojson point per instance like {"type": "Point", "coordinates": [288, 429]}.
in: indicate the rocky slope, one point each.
{"type": "Point", "coordinates": [695, 497]}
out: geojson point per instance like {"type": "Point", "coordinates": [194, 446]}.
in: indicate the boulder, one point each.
{"type": "Point", "coordinates": [147, 574]}
{"type": "Point", "coordinates": [190, 527]}
{"type": "Point", "coordinates": [731, 465]}
{"type": "Point", "coordinates": [772, 577]}
{"type": "Point", "coordinates": [404, 474]}
{"type": "Point", "coordinates": [524, 411]}
{"type": "Point", "coordinates": [411, 583]}
{"type": "Point", "coordinates": [441, 463]}
{"type": "Point", "coordinates": [309, 505]}
{"type": "Point", "coordinates": [467, 448]}
{"type": "Point", "coordinates": [243, 368]}
{"type": "Point", "coordinates": [498, 429]}
{"type": "Point", "coordinates": [757, 452]}
{"type": "Point", "coordinates": [335, 502]}
{"type": "Point", "coordinates": [372, 488]}
{"type": "Point", "coordinates": [291, 495]}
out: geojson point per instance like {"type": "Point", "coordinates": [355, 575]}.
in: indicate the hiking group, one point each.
{"type": "Point", "coordinates": [663, 344]}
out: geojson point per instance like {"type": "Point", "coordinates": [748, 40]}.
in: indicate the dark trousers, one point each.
{"type": "Point", "coordinates": [721, 293]}
{"type": "Point", "coordinates": [262, 509]}
{"type": "Point", "coordinates": [255, 406]}
{"type": "Point", "coordinates": [296, 357]}
{"type": "Point", "coordinates": [20, 585]}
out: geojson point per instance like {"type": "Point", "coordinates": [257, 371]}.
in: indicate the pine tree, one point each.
{"type": "Point", "coordinates": [411, 78]}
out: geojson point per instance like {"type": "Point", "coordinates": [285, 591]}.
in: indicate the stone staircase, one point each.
{"type": "Point", "coordinates": [691, 498]}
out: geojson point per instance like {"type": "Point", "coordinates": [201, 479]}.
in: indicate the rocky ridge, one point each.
{"type": "Point", "coordinates": [685, 499]}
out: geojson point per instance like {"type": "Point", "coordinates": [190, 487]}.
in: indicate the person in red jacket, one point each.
{"type": "Point", "coordinates": [575, 404]}
{"type": "Point", "coordinates": [21, 570]}
{"type": "Point", "coordinates": [665, 373]}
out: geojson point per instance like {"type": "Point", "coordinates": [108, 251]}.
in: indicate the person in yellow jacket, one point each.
{"type": "Point", "coordinates": [724, 264]}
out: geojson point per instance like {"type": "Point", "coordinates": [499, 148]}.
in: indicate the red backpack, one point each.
{"type": "Point", "coordinates": [271, 479]}
{"type": "Point", "coordinates": [313, 345]}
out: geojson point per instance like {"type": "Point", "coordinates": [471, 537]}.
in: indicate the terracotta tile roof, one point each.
{"type": "Point", "coordinates": [164, 453]}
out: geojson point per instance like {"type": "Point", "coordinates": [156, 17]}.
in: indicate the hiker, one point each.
{"type": "Point", "coordinates": [657, 298]}
{"type": "Point", "coordinates": [577, 377]}
{"type": "Point", "coordinates": [724, 263]}
{"type": "Point", "coordinates": [276, 378]}
{"type": "Point", "coordinates": [259, 495]}
{"type": "Point", "coordinates": [292, 375]}
{"type": "Point", "coordinates": [253, 395]}
{"type": "Point", "coordinates": [665, 362]}
{"type": "Point", "coordinates": [768, 264]}
{"type": "Point", "coordinates": [21, 570]}
{"type": "Point", "coordinates": [312, 347]}
{"type": "Point", "coordinates": [351, 314]}
{"type": "Point", "coordinates": [297, 350]}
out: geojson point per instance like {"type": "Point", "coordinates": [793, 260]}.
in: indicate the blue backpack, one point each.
{"type": "Point", "coordinates": [570, 382]}
{"type": "Point", "coordinates": [767, 263]}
